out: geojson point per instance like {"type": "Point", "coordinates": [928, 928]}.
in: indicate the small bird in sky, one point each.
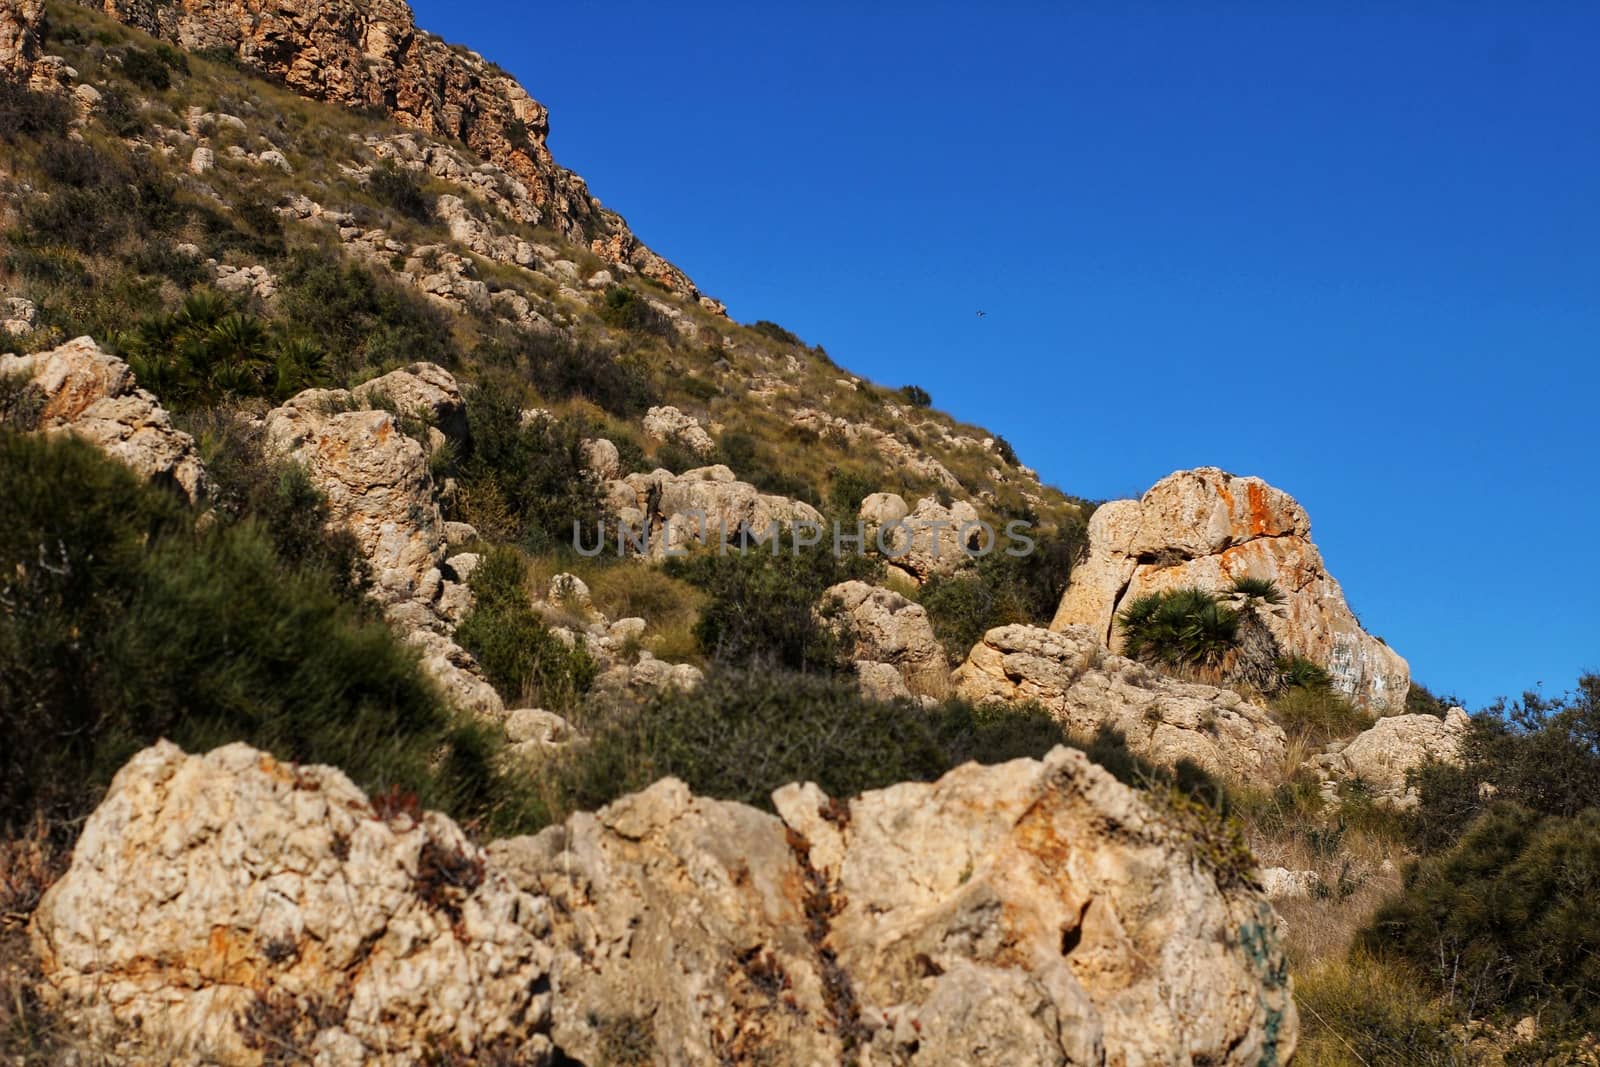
{"type": "Point", "coordinates": [982, 314]}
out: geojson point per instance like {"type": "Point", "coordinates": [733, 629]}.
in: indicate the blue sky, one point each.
{"type": "Point", "coordinates": [1358, 255]}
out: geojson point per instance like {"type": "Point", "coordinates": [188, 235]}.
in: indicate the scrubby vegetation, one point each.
{"type": "Point", "coordinates": [761, 604]}
{"type": "Point", "coordinates": [120, 624]}
{"type": "Point", "coordinates": [522, 657]}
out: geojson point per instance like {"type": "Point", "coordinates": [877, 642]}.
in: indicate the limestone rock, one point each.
{"type": "Point", "coordinates": [1381, 756]}
{"type": "Point", "coordinates": [1033, 913]}
{"type": "Point", "coordinates": [376, 480]}
{"type": "Point", "coordinates": [202, 161]}
{"type": "Point", "coordinates": [880, 681]}
{"type": "Point", "coordinates": [700, 505]}
{"type": "Point", "coordinates": [667, 423]}
{"type": "Point", "coordinates": [91, 394]}
{"type": "Point", "coordinates": [1206, 528]}
{"type": "Point", "coordinates": [1036, 912]}
{"type": "Point", "coordinates": [601, 459]}
{"type": "Point", "coordinates": [885, 627]}
{"type": "Point", "coordinates": [1280, 883]}
{"type": "Point", "coordinates": [880, 508]}
{"type": "Point", "coordinates": [421, 391]}
{"type": "Point", "coordinates": [207, 889]}
{"type": "Point", "coordinates": [926, 540]}
{"type": "Point", "coordinates": [1071, 675]}
{"type": "Point", "coordinates": [20, 21]}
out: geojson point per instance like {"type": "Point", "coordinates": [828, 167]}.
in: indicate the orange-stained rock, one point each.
{"type": "Point", "coordinates": [1206, 528]}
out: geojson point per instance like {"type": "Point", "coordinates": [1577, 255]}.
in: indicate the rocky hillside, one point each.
{"type": "Point", "coordinates": [431, 631]}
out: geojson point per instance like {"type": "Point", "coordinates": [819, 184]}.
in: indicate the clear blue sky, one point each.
{"type": "Point", "coordinates": [1358, 256]}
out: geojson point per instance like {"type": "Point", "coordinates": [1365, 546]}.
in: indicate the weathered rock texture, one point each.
{"type": "Point", "coordinates": [80, 390]}
{"type": "Point", "coordinates": [884, 627]}
{"type": "Point", "coordinates": [926, 540]}
{"type": "Point", "coordinates": [370, 54]}
{"type": "Point", "coordinates": [213, 896]}
{"type": "Point", "coordinates": [19, 37]}
{"type": "Point", "coordinates": [1033, 913]}
{"type": "Point", "coordinates": [702, 505]}
{"type": "Point", "coordinates": [376, 480]}
{"type": "Point", "coordinates": [1206, 528]}
{"type": "Point", "coordinates": [1071, 675]}
{"type": "Point", "coordinates": [1381, 757]}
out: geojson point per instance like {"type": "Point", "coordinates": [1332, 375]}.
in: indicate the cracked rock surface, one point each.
{"type": "Point", "coordinates": [1035, 912]}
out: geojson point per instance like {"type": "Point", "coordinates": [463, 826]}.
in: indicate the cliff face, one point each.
{"type": "Point", "coordinates": [369, 54]}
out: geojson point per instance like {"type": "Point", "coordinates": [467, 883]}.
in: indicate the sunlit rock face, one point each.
{"type": "Point", "coordinates": [1205, 528]}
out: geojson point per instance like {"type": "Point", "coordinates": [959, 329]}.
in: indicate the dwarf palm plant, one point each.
{"type": "Point", "coordinates": [1184, 628]}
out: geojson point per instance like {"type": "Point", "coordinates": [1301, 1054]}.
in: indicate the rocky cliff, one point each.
{"type": "Point", "coordinates": [1206, 528]}
{"type": "Point", "coordinates": [369, 54]}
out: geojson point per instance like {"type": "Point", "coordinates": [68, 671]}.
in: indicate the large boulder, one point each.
{"type": "Point", "coordinates": [423, 391]}
{"type": "Point", "coordinates": [701, 506]}
{"type": "Point", "coordinates": [666, 423]}
{"type": "Point", "coordinates": [225, 903]}
{"type": "Point", "coordinates": [1206, 528]}
{"type": "Point", "coordinates": [929, 539]}
{"type": "Point", "coordinates": [376, 480]}
{"type": "Point", "coordinates": [80, 390]}
{"type": "Point", "coordinates": [885, 627]}
{"type": "Point", "coordinates": [1381, 758]}
{"type": "Point", "coordinates": [1072, 676]}
{"type": "Point", "coordinates": [1037, 912]}
{"type": "Point", "coordinates": [241, 911]}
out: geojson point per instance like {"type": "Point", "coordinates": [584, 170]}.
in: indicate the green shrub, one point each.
{"type": "Point", "coordinates": [401, 190]}
{"type": "Point", "coordinates": [1541, 753]}
{"type": "Point", "coordinates": [1318, 714]}
{"type": "Point", "coordinates": [1007, 454]}
{"type": "Point", "coordinates": [277, 494]}
{"type": "Point", "coordinates": [916, 396]}
{"type": "Point", "coordinates": [999, 591]}
{"type": "Point", "coordinates": [146, 69]}
{"type": "Point", "coordinates": [362, 320]}
{"type": "Point", "coordinates": [761, 605]}
{"type": "Point", "coordinates": [1297, 672]}
{"type": "Point", "coordinates": [24, 113]}
{"type": "Point", "coordinates": [521, 657]}
{"type": "Point", "coordinates": [535, 469]}
{"type": "Point", "coordinates": [1421, 701]}
{"type": "Point", "coordinates": [562, 368]}
{"type": "Point", "coordinates": [210, 351]}
{"type": "Point", "coordinates": [119, 624]}
{"type": "Point", "coordinates": [1505, 921]}
{"type": "Point", "coordinates": [625, 309]}
{"type": "Point", "coordinates": [743, 733]}
{"type": "Point", "coordinates": [111, 198]}
{"type": "Point", "coordinates": [1258, 589]}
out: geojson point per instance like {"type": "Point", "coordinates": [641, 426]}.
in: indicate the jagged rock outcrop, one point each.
{"type": "Point", "coordinates": [19, 37]}
{"type": "Point", "coordinates": [376, 480]}
{"type": "Point", "coordinates": [991, 917]}
{"type": "Point", "coordinates": [930, 539]}
{"type": "Point", "coordinates": [1206, 528]}
{"type": "Point", "coordinates": [370, 54]}
{"type": "Point", "coordinates": [1071, 675]}
{"type": "Point", "coordinates": [700, 506]}
{"type": "Point", "coordinates": [1381, 757]}
{"type": "Point", "coordinates": [667, 423]}
{"type": "Point", "coordinates": [886, 628]}
{"type": "Point", "coordinates": [226, 900]}
{"type": "Point", "coordinates": [423, 391]}
{"type": "Point", "coordinates": [80, 390]}
{"type": "Point", "coordinates": [1037, 912]}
